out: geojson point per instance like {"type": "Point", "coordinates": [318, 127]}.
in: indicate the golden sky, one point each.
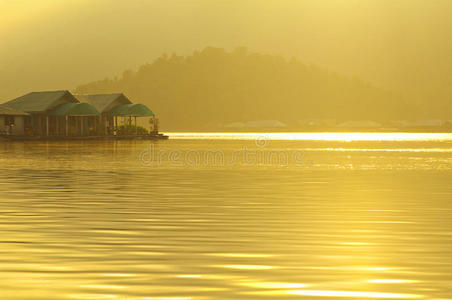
{"type": "Point", "coordinates": [404, 45]}
{"type": "Point", "coordinates": [16, 15]}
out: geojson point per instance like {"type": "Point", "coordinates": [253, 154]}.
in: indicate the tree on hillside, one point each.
{"type": "Point", "coordinates": [214, 86]}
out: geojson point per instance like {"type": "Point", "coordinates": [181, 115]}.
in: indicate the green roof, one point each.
{"type": "Point", "coordinates": [132, 110]}
{"type": "Point", "coordinates": [40, 101]}
{"type": "Point", "coordinates": [104, 102]}
{"type": "Point", "coordinates": [5, 111]}
{"type": "Point", "coordinates": [75, 109]}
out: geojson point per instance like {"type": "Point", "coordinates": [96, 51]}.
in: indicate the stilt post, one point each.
{"type": "Point", "coordinates": [67, 125]}
{"type": "Point", "coordinates": [136, 129]}
{"type": "Point", "coordinates": [81, 125]}
{"type": "Point", "coordinates": [47, 125]}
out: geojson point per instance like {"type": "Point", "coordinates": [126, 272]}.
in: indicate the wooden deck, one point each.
{"type": "Point", "coordinates": [159, 136]}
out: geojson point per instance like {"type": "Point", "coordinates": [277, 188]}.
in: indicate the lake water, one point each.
{"type": "Point", "coordinates": [228, 216]}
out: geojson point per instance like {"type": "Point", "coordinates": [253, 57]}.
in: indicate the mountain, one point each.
{"type": "Point", "coordinates": [213, 86]}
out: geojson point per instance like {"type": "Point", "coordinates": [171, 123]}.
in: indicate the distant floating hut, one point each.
{"type": "Point", "coordinates": [360, 124]}
{"type": "Point", "coordinates": [235, 125]}
{"type": "Point", "coordinates": [261, 125]}
{"type": "Point", "coordinates": [421, 124]}
{"type": "Point", "coordinates": [428, 123]}
{"type": "Point", "coordinates": [319, 123]}
{"type": "Point", "coordinates": [265, 124]}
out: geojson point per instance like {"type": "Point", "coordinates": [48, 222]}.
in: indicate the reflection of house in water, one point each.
{"type": "Point", "coordinates": [11, 121]}
{"type": "Point", "coordinates": [61, 114]}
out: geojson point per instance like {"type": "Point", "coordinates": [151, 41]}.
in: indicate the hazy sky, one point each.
{"type": "Point", "coordinates": [404, 45]}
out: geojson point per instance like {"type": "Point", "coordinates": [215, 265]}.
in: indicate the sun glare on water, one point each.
{"type": "Point", "coordinates": [352, 294]}
{"type": "Point", "coordinates": [319, 136]}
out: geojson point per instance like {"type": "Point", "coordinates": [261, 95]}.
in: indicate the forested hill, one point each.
{"type": "Point", "coordinates": [214, 87]}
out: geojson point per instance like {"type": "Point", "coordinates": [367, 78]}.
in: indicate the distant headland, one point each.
{"type": "Point", "coordinates": [214, 89]}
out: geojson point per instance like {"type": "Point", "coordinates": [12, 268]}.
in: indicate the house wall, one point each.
{"type": "Point", "coordinates": [106, 124]}
{"type": "Point", "coordinates": [2, 124]}
{"type": "Point", "coordinates": [18, 128]}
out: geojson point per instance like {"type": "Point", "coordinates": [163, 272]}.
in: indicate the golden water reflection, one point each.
{"type": "Point", "coordinates": [87, 220]}
{"type": "Point", "coordinates": [353, 294]}
{"type": "Point", "coordinates": [318, 136]}
{"type": "Point", "coordinates": [392, 281]}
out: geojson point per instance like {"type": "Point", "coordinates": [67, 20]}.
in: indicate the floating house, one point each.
{"type": "Point", "coordinates": [11, 121]}
{"type": "Point", "coordinates": [105, 103]}
{"type": "Point", "coordinates": [74, 119]}
{"type": "Point", "coordinates": [61, 114]}
{"type": "Point", "coordinates": [55, 113]}
{"type": "Point", "coordinates": [115, 107]}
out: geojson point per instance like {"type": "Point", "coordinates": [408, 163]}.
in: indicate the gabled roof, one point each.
{"type": "Point", "coordinates": [40, 101]}
{"type": "Point", "coordinates": [5, 111]}
{"type": "Point", "coordinates": [74, 109]}
{"type": "Point", "coordinates": [131, 110]}
{"type": "Point", "coordinates": [104, 102]}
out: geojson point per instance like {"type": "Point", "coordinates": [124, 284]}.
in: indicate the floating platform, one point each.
{"type": "Point", "coordinates": [158, 136]}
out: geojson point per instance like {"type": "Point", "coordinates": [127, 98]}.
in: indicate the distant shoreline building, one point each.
{"type": "Point", "coordinates": [60, 114]}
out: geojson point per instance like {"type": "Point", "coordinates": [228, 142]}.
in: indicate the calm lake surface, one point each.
{"type": "Point", "coordinates": [228, 216]}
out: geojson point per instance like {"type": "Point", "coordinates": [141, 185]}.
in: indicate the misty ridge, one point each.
{"type": "Point", "coordinates": [212, 88]}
